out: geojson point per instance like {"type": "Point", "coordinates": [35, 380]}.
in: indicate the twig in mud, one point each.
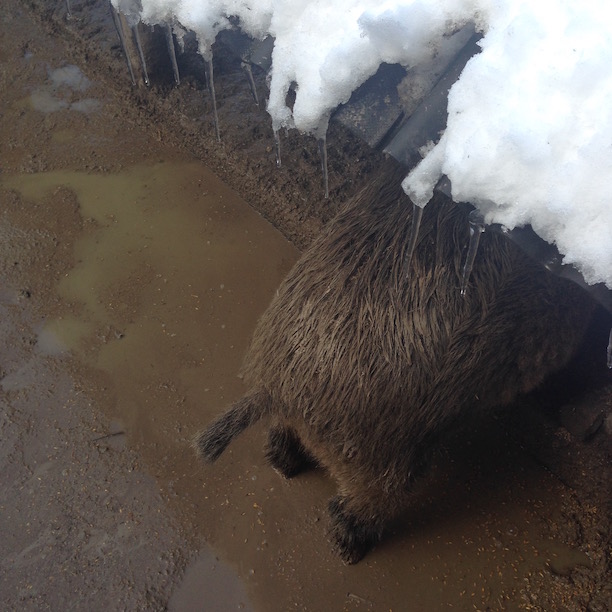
{"type": "Point", "coordinates": [110, 435]}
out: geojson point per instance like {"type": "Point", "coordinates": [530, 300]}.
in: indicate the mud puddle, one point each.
{"type": "Point", "coordinates": [171, 271]}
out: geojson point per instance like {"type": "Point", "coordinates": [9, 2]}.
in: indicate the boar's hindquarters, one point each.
{"type": "Point", "coordinates": [211, 442]}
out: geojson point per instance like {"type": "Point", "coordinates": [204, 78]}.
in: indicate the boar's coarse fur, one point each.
{"type": "Point", "coordinates": [363, 358]}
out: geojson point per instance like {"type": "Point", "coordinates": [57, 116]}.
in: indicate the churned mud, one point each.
{"type": "Point", "coordinates": [136, 254]}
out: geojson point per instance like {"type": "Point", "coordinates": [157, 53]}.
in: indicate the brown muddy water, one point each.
{"type": "Point", "coordinates": [171, 271]}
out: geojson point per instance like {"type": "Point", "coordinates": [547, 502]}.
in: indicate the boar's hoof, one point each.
{"type": "Point", "coordinates": [351, 536]}
{"type": "Point", "coordinates": [286, 453]}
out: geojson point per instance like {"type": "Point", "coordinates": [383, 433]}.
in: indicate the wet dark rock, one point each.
{"type": "Point", "coordinates": [582, 419]}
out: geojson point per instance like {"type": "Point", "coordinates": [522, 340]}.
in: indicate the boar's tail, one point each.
{"type": "Point", "coordinates": [211, 442]}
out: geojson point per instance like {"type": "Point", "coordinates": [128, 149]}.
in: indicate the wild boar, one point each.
{"type": "Point", "coordinates": [365, 356]}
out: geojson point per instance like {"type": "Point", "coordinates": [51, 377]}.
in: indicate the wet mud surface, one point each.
{"type": "Point", "coordinates": [136, 255]}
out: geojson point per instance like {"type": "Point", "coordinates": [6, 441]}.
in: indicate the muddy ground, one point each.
{"type": "Point", "coordinates": [136, 254]}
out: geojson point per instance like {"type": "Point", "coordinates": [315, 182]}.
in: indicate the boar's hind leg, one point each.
{"type": "Point", "coordinates": [286, 453]}
{"type": "Point", "coordinates": [366, 504]}
{"type": "Point", "coordinates": [353, 532]}
{"type": "Point", "coordinates": [360, 513]}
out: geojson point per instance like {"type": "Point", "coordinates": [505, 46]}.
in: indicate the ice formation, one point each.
{"type": "Point", "coordinates": [529, 132]}
{"type": "Point", "coordinates": [477, 226]}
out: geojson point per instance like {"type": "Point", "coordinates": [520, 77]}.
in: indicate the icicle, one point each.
{"type": "Point", "coordinates": [322, 142]}
{"type": "Point", "coordinates": [277, 146]}
{"type": "Point", "coordinates": [610, 351]}
{"type": "Point", "coordinates": [417, 215]}
{"type": "Point", "coordinates": [179, 34]}
{"type": "Point", "coordinates": [476, 228]}
{"type": "Point", "coordinates": [554, 263]}
{"type": "Point", "coordinates": [172, 51]}
{"type": "Point", "coordinates": [321, 134]}
{"type": "Point", "coordinates": [211, 87]}
{"type": "Point", "coordinates": [249, 72]}
{"type": "Point", "coordinates": [141, 54]}
{"type": "Point", "coordinates": [68, 8]}
{"type": "Point", "coordinates": [119, 28]}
